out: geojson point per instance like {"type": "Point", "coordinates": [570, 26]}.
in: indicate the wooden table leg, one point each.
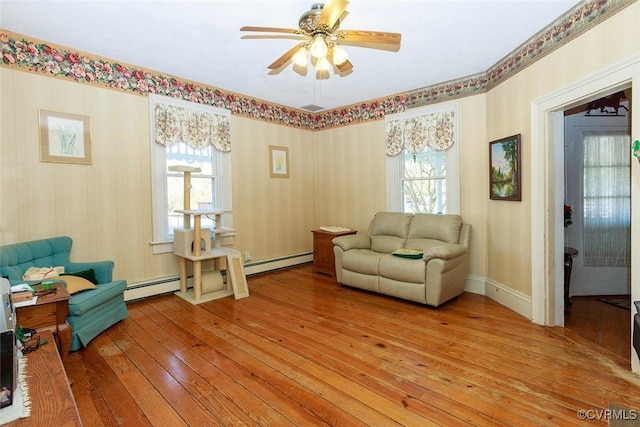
{"type": "Point", "coordinates": [64, 338]}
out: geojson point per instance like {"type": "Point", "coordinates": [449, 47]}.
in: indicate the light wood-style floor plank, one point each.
{"type": "Point", "coordinates": [302, 350]}
{"type": "Point", "coordinates": [601, 323]}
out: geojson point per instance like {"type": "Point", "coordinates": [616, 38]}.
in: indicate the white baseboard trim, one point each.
{"type": "Point", "coordinates": [510, 298]}
{"type": "Point", "coordinates": [475, 284]}
{"type": "Point", "coordinates": [140, 290]}
{"type": "Point", "coordinates": [263, 266]}
{"type": "Point", "coordinates": [166, 285]}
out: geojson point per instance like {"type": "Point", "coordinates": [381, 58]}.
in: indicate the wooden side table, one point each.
{"type": "Point", "coordinates": [50, 312]}
{"type": "Point", "coordinates": [323, 259]}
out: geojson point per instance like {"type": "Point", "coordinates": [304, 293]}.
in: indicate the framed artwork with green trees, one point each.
{"type": "Point", "coordinates": [505, 174]}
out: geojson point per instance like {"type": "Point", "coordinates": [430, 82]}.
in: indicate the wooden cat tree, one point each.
{"type": "Point", "coordinates": [194, 244]}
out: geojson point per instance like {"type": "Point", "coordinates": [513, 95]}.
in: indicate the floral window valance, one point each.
{"type": "Point", "coordinates": [196, 128]}
{"type": "Point", "coordinates": [433, 130]}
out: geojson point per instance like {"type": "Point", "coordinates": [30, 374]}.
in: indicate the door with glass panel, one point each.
{"type": "Point", "coordinates": [598, 191]}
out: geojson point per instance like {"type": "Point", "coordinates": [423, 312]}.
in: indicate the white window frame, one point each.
{"type": "Point", "coordinates": [452, 177]}
{"type": "Point", "coordinates": [162, 241]}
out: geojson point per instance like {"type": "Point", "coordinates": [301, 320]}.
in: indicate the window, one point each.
{"type": "Point", "coordinates": [203, 183]}
{"type": "Point", "coordinates": [422, 161]}
{"type": "Point", "coordinates": [423, 178]}
{"type": "Point", "coordinates": [607, 199]}
{"type": "Point", "coordinates": [210, 187]}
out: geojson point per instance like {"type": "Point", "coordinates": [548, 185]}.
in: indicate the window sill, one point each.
{"type": "Point", "coordinates": [161, 247]}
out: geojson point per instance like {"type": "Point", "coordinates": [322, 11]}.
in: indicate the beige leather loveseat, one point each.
{"type": "Point", "coordinates": [366, 261]}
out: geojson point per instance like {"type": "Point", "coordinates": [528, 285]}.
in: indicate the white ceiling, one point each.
{"type": "Point", "coordinates": [200, 40]}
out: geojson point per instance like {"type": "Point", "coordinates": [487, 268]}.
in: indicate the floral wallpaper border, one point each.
{"type": "Point", "coordinates": [27, 54]}
{"type": "Point", "coordinates": [576, 21]}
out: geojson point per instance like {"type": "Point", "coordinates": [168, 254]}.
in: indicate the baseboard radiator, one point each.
{"type": "Point", "coordinates": [165, 285]}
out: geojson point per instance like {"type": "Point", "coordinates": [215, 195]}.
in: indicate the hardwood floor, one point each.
{"type": "Point", "coordinates": [302, 350]}
{"type": "Point", "coordinates": [604, 324]}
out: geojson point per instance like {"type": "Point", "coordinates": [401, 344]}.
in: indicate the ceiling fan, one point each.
{"type": "Point", "coordinates": [320, 39]}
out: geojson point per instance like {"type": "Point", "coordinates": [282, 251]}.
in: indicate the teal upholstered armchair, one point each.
{"type": "Point", "coordinates": [90, 311]}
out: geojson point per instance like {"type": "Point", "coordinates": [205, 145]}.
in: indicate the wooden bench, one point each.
{"type": "Point", "coordinates": [52, 402]}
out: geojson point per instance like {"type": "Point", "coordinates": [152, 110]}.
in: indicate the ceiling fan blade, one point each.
{"type": "Point", "coordinates": [269, 30]}
{"type": "Point", "coordinates": [372, 36]}
{"type": "Point", "coordinates": [284, 58]}
{"type": "Point", "coordinates": [273, 37]}
{"type": "Point", "coordinates": [345, 66]}
{"type": "Point", "coordinates": [331, 11]}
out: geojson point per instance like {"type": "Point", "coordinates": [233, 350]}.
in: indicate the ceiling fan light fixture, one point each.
{"type": "Point", "coordinates": [300, 58]}
{"type": "Point", "coordinates": [319, 48]}
{"type": "Point", "coordinates": [318, 38]}
{"type": "Point", "coordinates": [340, 55]}
{"type": "Point", "coordinates": [323, 64]}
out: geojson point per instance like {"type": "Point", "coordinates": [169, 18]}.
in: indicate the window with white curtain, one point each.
{"type": "Point", "coordinates": [422, 160]}
{"type": "Point", "coordinates": [188, 134]}
{"type": "Point", "coordinates": [607, 199]}
{"type": "Point", "coordinates": [423, 179]}
{"type": "Point", "coordinates": [204, 184]}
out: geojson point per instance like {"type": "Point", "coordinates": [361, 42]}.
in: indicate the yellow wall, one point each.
{"type": "Point", "coordinates": [106, 207]}
{"type": "Point", "coordinates": [273, 216]}
{"type": "Point", "coordinates": [351, 175]}
{"type": "Point", "coordinates": [508, 112]}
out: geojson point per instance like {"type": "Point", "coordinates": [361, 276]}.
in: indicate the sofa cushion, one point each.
{"type": "Point", "coordinates": [388, 231]}
{"type": "Point", "coordinates": [436, 248]}
{"type": "Point", "coordinates": [438, 227]}
{"type": "Point", "coordinates": [362, 261]}
{"type": "Point", "coordinates": [402, 269]}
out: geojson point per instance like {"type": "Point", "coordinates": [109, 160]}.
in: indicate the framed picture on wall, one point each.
{"type": "Point", "coordinates": [65, 138]}
{"type": "Point", "coordinates": [278, 162]}
{"type": "Point", "coordinates": [505, 173]}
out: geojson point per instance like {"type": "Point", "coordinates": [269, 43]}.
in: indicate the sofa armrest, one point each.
{"type": "Point", "coordinates": [444, 251]}
{"type": "Point", "coordinates": [353, 241]}
{"type": "Point", "coordinates": [103, 269]}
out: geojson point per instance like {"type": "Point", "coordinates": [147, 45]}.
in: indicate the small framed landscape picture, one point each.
{"type": "Point", "coordinates": [278, 162]}
{"type": "Point", "coordinates": [65, 138]}
{"type": "Point", "coordinates": [505, 174]}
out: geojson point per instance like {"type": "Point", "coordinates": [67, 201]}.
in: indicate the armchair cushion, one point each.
{"type": "Point", "coordinates": [39, 273]}
{"type": "Point", "coordinates": [85, 301]}
{"type": "Point", "coordinates": [75, 284]}
{"type": "Point", "coordinates": [103, 269]}
{"type": "Point", "coordinates": [89, 275]}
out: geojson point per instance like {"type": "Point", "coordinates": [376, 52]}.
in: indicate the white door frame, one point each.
{"type": "Point", "coordinates": [547, 188]}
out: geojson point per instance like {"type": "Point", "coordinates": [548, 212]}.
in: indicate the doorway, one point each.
{"type": "Point", "coordinates": [597, 231]}
{"type": "Point", "coordinates": [547, 196]}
